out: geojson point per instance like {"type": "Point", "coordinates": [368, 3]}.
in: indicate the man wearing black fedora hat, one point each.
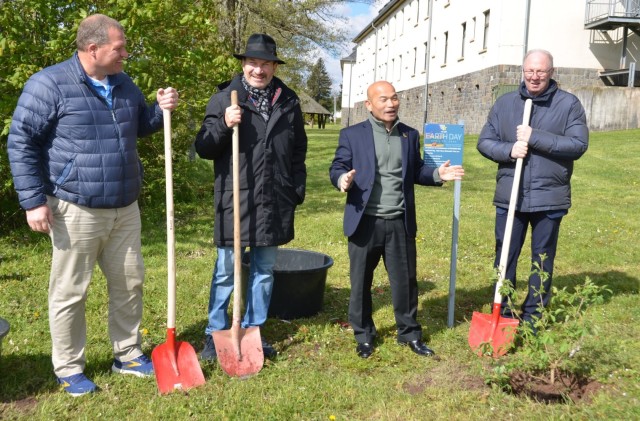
{"type": "Point", "coordinates": [273, 148]}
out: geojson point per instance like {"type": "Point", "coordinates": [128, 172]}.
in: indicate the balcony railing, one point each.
{"type": "Point", "coordinates": [614, 11]}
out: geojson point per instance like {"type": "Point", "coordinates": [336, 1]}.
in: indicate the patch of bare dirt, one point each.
{"type": "Point", "coordinates": [416, 387]}
{"type": "Point", "coordinates": [451, 376]}
{"type": "Point", "coordinates": [24, 406]}
{"type": "Point", "coordinates": [565, 387]}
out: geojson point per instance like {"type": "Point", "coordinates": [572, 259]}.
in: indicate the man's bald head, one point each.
{"type": "Point", "coordinates": [383, 103]}
{"type": "Point", "coordinates": [377, 86]}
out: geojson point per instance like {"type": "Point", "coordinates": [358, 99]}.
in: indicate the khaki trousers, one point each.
{"type": "Point", "coordinates": [81, 237]}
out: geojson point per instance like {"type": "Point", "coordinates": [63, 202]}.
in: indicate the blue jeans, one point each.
{"type": "Point", "coordinates": [259, 287]}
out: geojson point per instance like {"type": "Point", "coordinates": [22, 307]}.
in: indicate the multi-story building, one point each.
{"type": "Point", "coordinates": [450, 59]}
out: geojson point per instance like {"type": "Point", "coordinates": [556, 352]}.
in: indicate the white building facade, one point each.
{"type": "Point", "coordinates": [450, 59]}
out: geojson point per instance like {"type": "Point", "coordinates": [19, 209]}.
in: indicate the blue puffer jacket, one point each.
{"type": "Point", "coordinates": [66, 142]}
{"type": "Point", "coordinates": [560, 136]}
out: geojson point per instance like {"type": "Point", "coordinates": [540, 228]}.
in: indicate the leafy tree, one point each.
{"type": "Point", "coordinates": [34, 34]}
{"type": "Point", "coordinates": [171, 43]}
{"type": "Point", "coordinates": [300, 28]}
{"type": "Point", "coordinates": [184, 44]}
{"type": "Point", "coordinates": [299, 22]}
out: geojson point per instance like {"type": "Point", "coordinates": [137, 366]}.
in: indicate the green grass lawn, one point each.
{"type": "Point", "coordinates": [317, 375]}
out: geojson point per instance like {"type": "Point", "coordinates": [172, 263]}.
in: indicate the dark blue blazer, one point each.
{"type": "Point", "coordinates": [356, 150]}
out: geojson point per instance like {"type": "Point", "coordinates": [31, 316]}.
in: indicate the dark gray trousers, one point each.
{"type": "Point", "coordinates": [375, 238]}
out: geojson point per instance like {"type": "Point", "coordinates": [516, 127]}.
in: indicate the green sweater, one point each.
{"type": "Point", "coordinates": [386, 200]}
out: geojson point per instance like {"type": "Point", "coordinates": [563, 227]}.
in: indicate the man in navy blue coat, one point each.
{"type": "Point", "coordinates": [377, 163]}
{"type": "Point", "coordinates": [556, 137]}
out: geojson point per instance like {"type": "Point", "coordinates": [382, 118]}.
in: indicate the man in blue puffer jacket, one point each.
{"type": "Point", "coordinates": [556, 136]}
{"type": "Point", "coordinates": [74, 160]}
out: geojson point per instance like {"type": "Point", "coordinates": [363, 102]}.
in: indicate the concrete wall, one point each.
{"type": "Point", "coordinates": [611, 108]}
{"type": "Point", "coordinates": [468, 99]}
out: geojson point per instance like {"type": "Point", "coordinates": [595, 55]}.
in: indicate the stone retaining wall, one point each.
{"type": "Point", "coordinates": [467, 99]}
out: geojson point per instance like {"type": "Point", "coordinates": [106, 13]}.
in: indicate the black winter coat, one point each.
{"type": "Point", "coordinates": [560, 136]}
{"type": "Point", "coordinates": [272, 156]}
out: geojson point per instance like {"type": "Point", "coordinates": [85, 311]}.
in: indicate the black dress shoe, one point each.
{"type": "Point", "coordinates": [364, 350]}
{"type": "Point", "coordinates": [209, 351]}
{"type": "Point", "coordinates": [418, 347]}
{"type": "Point", "coordinates": [268, 350]}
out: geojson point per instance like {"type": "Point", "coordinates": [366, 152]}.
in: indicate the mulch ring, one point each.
{"type": "Point", "coordinates": [567, 387]}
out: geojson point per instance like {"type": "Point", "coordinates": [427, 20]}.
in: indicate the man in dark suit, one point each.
{"type": "Point", "coordinates": [377, 163]}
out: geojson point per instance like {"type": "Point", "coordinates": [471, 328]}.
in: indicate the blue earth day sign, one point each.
{"type": "Point", "coordinates": [442, 143]}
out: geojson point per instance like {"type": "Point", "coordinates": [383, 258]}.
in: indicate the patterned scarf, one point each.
{"type": "Point", "coordinates": [261, 98]}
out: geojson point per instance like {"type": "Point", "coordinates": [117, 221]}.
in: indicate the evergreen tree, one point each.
{"type": "Point", "coordinates": [319, 85]}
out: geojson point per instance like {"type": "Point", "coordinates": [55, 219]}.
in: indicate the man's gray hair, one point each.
{"type": "Point", "coordinates": [94, 29]}
{"type": "Point", "coordinates": [539, 51]}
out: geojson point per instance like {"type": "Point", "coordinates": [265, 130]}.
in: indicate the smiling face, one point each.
{"type": "Point", "coordinates": [110, 56]}
{"type": "Point", "coordinates": [537, 70]}
{"type": "Point", "coordinates": [383, 103]}
{"type": "Point", "coordinates": [257, 72]}
{"type": "Point", "coordinates": [101, 59]}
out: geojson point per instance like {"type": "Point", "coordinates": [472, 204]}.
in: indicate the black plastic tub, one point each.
{"type": "Point", "coordinates": [4, 329]}
{"type": "Point", "coordinates": [299, 278]}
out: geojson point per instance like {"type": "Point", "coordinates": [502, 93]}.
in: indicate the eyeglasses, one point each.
{"type": "Point", "coordinates": [540, 73]}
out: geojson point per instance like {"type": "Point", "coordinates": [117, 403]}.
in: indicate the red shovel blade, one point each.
{"type": "Point", "coordinates": [239, 351]}
{"type": "Point", "coordinates": [491, 333]}
{"type": "Point", "coordinates": [176, 365]}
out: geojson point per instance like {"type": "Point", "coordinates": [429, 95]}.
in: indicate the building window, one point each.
{"type": "Point", "coordinates": [415, 60]}
{"type": "Point", "coordinates": [383, 34]}
{"type": "Point", "coordinates": [400, 22]}
{"type": "Point", "coordinates": [473, 29]}
{"type": "Point", "coordinates": [399, 68]}
{"type": "Point", "coordinates": [485, 39]}
{"type": "Point", "coordinates": [426, 56]}
{"type": "Point", "coordinates": [417, 6]}
{"type": "Point", "coordinates": [464, 39]}
{"type": "Point", "coordinates": [446, 47]}
{"type": "Point", "coordinates": [392, 28]}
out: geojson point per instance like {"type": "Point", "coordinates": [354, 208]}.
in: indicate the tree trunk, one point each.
{"type": "Point", "coordinates": [236, 22]}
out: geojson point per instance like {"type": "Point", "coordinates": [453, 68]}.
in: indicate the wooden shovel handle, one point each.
{"type": "Point", "coordinates": [506, 242]}
{"type": "Point", "coordinates": [237, 257]}
{"type": "Point", "coordinates": [171, 252]}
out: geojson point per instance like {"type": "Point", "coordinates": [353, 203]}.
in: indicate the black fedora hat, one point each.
{"type": "Point", "coordinates": [260, 46]}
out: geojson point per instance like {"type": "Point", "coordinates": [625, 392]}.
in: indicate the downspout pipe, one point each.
{"type": "Point", "coordinates": [527, 16]}
{"type": "Point", "coordinates": [375, 53]}
{"type": "Point", "coordinates": [351, 65]}
{"type": "Point", "coordinates": [428, 66]}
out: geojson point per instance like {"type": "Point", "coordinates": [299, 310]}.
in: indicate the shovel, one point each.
{"type": "Point", "coordinates": [492, 330]}
{"type": "Point", "coordinates": [175, 363]}
{"type": "Point", "coordinates": [239, 350]}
